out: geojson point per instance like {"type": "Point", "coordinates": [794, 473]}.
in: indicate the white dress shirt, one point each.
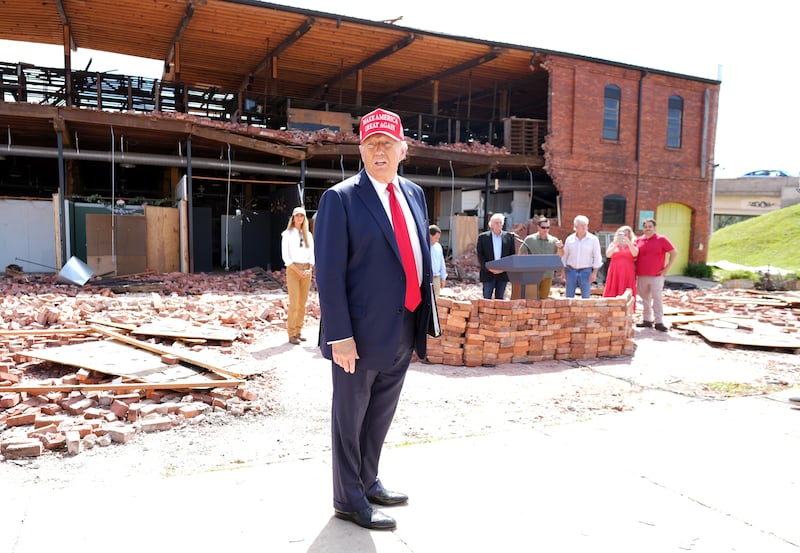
{"type": "Point", "coordinates": [383, 193]}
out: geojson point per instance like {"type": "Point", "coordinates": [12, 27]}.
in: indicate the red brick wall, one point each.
{"type": "Point", "coordinates": [585, 168]}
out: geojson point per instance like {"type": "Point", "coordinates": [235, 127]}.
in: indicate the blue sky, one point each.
{"type": "Point", "coordinates": [747, 46]}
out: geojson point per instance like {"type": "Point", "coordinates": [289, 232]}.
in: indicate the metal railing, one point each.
{"type": "Point", "coordinates": [21, 82]}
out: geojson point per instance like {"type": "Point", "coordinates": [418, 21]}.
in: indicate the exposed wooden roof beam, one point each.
{"type": "Point", "coordinates": [293, 37]}
{"type": "Point", "coordinates": [65, 20]}
{"type": "Point", "coordinates": [443, 74]}
{"type": "Point", "coordinates": [187, 16]}
{"type": "Point", "coordinates": [386, 52]}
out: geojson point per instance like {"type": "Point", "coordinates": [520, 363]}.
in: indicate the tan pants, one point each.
{"type": "Point", "coordinates": [539, 291]}
{"type": "Point", "coordinates": [298, 288]}
{"type": "Point", "coordinates": [437, 286]}
{"type": "Point", "coordinates": [650, 290]}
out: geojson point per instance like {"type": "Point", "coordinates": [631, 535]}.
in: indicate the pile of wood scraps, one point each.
{"type": "Point", "coordinates": [741, 318]}
{"type": "Point", "coordinates": [107, 381]}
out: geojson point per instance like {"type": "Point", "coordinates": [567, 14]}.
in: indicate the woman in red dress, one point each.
{"type": "Point", "coordinates": [621, 273]}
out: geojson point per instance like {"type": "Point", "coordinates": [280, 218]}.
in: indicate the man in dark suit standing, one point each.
{"type": "Point", "coordinates": [494, 244]}
{"type": "Point", "coordinates": [374, 280]}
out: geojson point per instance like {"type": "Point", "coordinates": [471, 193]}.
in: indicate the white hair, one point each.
{"type": "Point", "coordinates": [497, 217]}
{"type": "Point", "coordinates": [581, 219]}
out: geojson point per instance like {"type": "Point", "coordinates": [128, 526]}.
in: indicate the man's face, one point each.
{"type": "Point", "coordinates": [544, 228]}
{"type": "Point", "coordinates": [496, 225]}
{"type": "Point", "coordinates": [435, 237]}
{"type": "Point", "coordinates": [382, 155]}
{"type": "Point", "coordinates": [580, 229]}
{"type": "Point", "coordinates": [649, 229]}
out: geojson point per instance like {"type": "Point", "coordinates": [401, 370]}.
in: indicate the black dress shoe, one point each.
{"type": "Point", "coordinates": [645, 324]}
{"type": "Point", "coordinates": [661, 327]}
{"type": "Point", "coordinates": [387, 498]}
{"type": "Point", "coordinates": [369, 518]}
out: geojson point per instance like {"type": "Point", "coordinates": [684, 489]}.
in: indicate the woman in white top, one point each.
{"type": "Point", "coordinates": [297, 250]}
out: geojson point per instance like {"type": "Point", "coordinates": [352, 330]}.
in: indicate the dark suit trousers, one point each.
{"type": "Point", "coordinates": [364, 404]}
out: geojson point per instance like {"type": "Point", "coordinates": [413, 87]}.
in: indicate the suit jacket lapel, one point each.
{"type": "Point", "coordinates": [366, 192]}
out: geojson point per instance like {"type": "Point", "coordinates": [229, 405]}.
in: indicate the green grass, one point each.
{"type": "Point", "coordinates": [769, 239]}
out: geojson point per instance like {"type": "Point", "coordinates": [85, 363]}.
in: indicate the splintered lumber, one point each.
{"type": "Point", "coordinates": [224, 366]}
{"type": "Point", "coordinates": [683, 319]}
{"type": "Point", "coordinates": [46, 331]}
{"type": "Point", "coordinates": [772, 301]}
{"type": "Point", "coordinates": [39, 389]}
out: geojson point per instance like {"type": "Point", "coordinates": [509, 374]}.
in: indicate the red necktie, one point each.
{"type": "Point", "coordinates": [413, 296]}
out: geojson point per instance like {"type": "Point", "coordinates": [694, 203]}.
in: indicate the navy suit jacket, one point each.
{"type": "Point", "coordinates": [485, 251]}
{"type": "Point", "coordinates": [360, 276]}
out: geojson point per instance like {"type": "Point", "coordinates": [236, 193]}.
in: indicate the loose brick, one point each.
{"type": "Point", "coordinates": [23, 419]}
{"type": "Point", "coordinates": [31, 448]}
{"type": "Point", "coordinates": [121, 434]}
{"type": "Point", "coordinates": [73, 442]}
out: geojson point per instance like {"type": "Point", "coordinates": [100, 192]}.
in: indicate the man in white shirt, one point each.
{"type": "Point", "coordinates": [581, 258]}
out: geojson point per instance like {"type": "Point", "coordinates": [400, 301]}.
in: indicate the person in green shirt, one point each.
{"type": "Point", "coordinates": [536, 244]}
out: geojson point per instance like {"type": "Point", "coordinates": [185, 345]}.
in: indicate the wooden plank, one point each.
{"type": "Point", "coordinates": [163, 246]}
{"type": "Point", "coordinates": [112, 324]}
{"type": "Point", "coordinates": [47, 332]}
{"type": "Point", "coordinates": [179, 328]}
{"type": "Point", "coordinates": [682, 319]}
{"type": "Point", "coordinates": [218, 364]}
{"type": "Point", "coordinates": [122, 387]}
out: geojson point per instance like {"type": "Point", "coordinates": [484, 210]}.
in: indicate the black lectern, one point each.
{"type": "Point", "coordinates": [526, 269]}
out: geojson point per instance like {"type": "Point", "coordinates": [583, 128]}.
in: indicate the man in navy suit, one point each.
{"type": "Point", "coordinates": [374, 282]}
{"type": "Point", "coordinates": [492, 245]}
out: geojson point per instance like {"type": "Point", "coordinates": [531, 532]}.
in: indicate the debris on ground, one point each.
{"type": "Point", "coordinates": [82, 366]}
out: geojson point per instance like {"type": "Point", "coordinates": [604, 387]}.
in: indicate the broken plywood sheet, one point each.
{"type": "Point", "coordinates": [112, 357]}
{"type": "Point", "coordinates": [218, 363]}
{"type": "Point", "coordinates": [739, 338]}
{"type": "Point", "coordinates": [179, 328]}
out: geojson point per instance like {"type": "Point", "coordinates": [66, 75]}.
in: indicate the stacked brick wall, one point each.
{"type": "Point", "coordinates": [493, 332]}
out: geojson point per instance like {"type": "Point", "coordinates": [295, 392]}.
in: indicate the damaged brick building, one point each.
{"type": "Point", "coordinates": [255, 111]}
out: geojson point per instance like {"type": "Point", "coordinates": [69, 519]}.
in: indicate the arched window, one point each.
{"type": "Point", "coordinates": [674, 122]}
{"type": "Point", "coordinates": [614, 209]}
{"type": "Point", "coordinates": [611, 102]}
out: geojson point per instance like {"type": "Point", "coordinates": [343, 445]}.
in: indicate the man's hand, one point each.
{"type": "Point", "coordinates": [345, 355]}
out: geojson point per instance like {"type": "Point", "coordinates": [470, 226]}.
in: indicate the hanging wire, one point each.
{"type": "Point", "coordinates": [341, 164]}
{"type": "Point", "coordinates": [452, 207]}
{"type": "Point", "coordinates": [113, 204]}
{"type": "Point", "coordinates": [228, 212]}
{"type": "Point", "coordinates": [530, 203]}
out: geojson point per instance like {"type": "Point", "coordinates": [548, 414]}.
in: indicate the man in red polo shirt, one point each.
{"type": "Point", "coordinates": [651, 268]}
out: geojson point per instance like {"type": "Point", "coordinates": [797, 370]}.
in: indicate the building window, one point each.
{"type": "Point", "coordinates": [674, 121]}
{"type": "Point", "coordinates": [614, 209]}
{"type": "Point", "coordinates": [611, 112]}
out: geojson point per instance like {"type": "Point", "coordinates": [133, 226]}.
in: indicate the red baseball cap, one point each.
{"type": "Point", "coordinates": [381, 121]}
